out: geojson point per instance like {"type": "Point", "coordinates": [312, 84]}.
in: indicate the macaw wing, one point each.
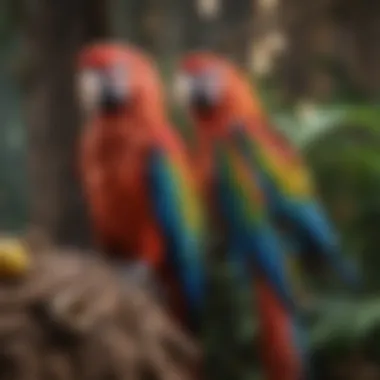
{"type": "Point", "coordinates": [314, 229]}
{"type": "Point", "coordinates": [290, 195]}
{"type": "Point", "coordinates": [179, 213]}
{"type": "Point", "coordinates": [250, 229]}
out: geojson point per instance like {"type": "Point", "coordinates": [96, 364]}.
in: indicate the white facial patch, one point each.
{"type": "Point", "coordinates": [89, 87]}
{"type": "Point", "coordinates": [182, 88]}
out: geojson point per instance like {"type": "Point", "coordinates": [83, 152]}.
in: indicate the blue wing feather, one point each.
{"type": "Point", "coordinates": [254, 240]}
{"type": "Point", "coordinates": [184, 239]}
{"type": "Point", "coordinates": [314, 227]}
{"type": "Point", "coordinates": [309, 222]}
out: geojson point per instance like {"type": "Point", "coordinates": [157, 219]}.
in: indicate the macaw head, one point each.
{"type": "Point", "coordinates": [115, 78]}
{"type": "Point", "coordinates": [210, 87]}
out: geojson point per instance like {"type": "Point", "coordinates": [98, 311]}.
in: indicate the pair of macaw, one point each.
{"type": "Point", "coordinates": [147, 199]}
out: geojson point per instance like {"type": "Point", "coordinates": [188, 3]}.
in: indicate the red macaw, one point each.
{"type": "Point", "coordinates": [137, 181]}
{"type": "Point", "coordinates": [282, 172]}
{"type": "Point", "coordinates": [217, 101]}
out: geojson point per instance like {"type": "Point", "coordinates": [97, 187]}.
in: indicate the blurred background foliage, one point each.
{"type": "Point", "coordinates": [316, 66]}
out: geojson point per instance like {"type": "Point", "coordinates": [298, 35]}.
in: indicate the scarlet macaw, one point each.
{"type": "Point", "coordinates": [138, 184]}
{"type": "Point", "coordinates": [235, 192]}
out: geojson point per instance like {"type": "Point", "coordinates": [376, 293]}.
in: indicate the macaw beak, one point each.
{"type": "Point", "coordinates": [201, 100]}
{"type": "Point", "coordinates": [111, 99]}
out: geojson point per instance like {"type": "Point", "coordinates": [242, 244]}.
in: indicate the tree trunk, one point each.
{"type": "Point", "coordinates": [55, 30]}
{"type": "Point", "coordinates": [359, 20]}
{"type": "Point", "coordinates": [236, 30]}
{"type": "Point", "coordinates": [297, 21]}
{"type": "Point", "coordinates": [223, 26]}
{"type": "Point", "coordinates": [149, 22]}
{"type": "Point", "coordinates": [200, 24]}
{"type": "Point", "coordinates": [332, 45]}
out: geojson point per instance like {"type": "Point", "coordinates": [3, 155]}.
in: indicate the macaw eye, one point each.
{"type": "Point", "coordinates": [117, 78]}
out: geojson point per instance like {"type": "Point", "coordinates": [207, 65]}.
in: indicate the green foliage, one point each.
{"type": "Point", "coordinates": [346, 329]}
{"type": "Point", "coordinates": [341, 143]}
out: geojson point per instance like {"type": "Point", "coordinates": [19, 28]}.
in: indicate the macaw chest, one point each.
{"type": "Point", "coordinates": [123, 158]}
{"type": "Point", "coordinates": [120, 180]}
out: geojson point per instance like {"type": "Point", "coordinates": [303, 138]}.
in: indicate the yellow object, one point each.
{"type": "Point", "coordinates": [14, 258]}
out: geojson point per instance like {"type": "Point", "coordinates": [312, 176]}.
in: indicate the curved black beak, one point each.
{"type": "Point", "coordinates": [112, 100]}
{"type": "Point", "coordinates": [201, 100]}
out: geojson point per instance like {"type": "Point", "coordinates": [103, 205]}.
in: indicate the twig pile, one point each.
{"type": "Point", "coordinates": [71, 319]}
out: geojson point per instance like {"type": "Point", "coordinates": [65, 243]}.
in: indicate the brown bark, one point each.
{"type": "Point", "coordinates": [228, 31]}
{"type": "Point", "coordinates": [298, 21]}
{"type": "Point", "coordinates": [149, 24]}
{"type": "Point", "coordinates": [359, 21]}
{"type": "Point", "coordinates": [198, 32]}
{"type": "Point", "coordinates": [330, 43]}
{"type": "Point", "coordinates": [236, 30]}
{"type": "Point", "coordinates": [55, 30]}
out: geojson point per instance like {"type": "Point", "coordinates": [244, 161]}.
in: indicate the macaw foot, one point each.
{"type": "Point", "coordinates": [14, 258]}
